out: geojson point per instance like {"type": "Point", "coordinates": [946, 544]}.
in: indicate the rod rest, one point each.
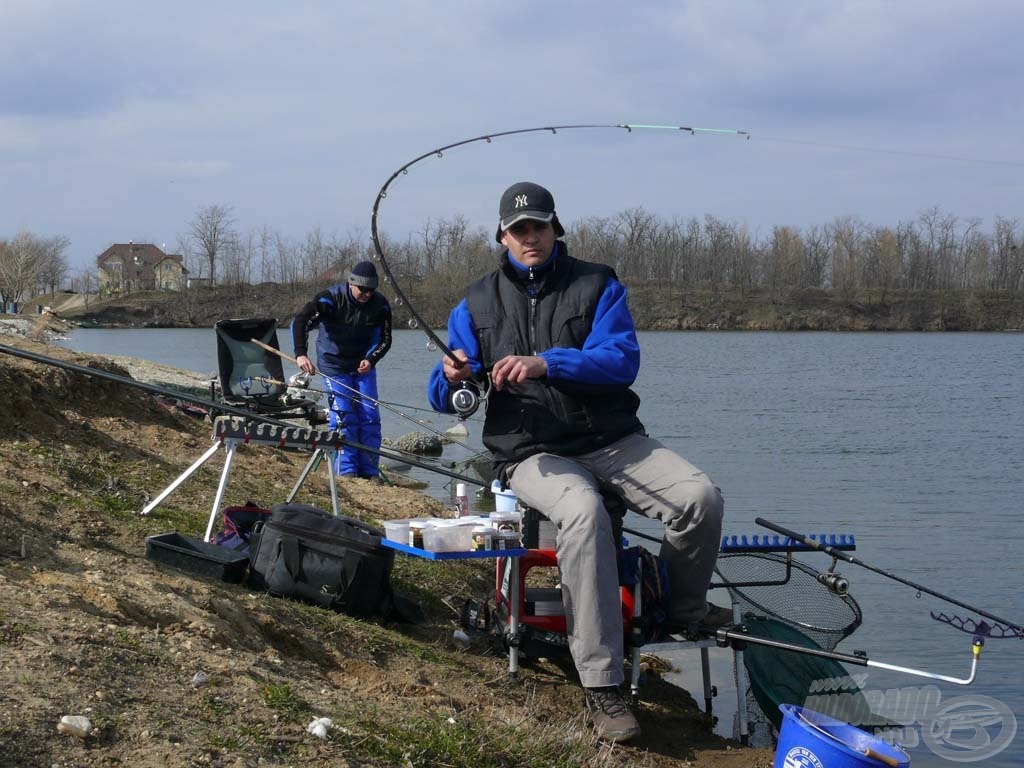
{"type": "Point", "coordinates": [774, 543]}
{"type": "Point", "coordinates": [228, 428]}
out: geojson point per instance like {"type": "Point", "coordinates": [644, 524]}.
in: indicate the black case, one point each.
{"type": "Point", "coordinates": [197, 557]}
{"type": "Point", "coordinates": [337, 562]}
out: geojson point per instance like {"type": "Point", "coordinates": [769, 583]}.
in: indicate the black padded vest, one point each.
{"type": "Point", "coordinates": [544, 415]}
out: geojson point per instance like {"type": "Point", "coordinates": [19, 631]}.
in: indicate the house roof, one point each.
{"type": "Point", "coordinates": [139, 260]}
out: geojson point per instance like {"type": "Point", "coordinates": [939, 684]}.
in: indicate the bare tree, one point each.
{"type": "Point", "coordinates": [1008, 270]}
{"type": "Point", "coordinates": [85, 283]}
{"type": "Point", "coordinates": [54, 267]}
{"type": "Point", "coordinates": [881, 267]}
{"type": "Point", "coordinates": [783, 260]}
{"type": "Point", "coordinates": [846, 235]}
{"type": "Point", "coordinates": [21, 263]}
{"type": "Point", "coordinates": [210, 231]}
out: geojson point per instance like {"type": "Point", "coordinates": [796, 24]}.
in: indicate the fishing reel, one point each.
{"type": "Point", "coordinates": [465, 400]}
{"type": "Point", "coordinates": [834, 582]}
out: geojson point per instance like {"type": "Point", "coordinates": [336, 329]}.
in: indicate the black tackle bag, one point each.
{"type": "Point", "coordinates": [334, 561]}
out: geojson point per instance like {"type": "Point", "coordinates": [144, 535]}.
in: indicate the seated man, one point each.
{"type": "Point", "coordinates": [558, 340]}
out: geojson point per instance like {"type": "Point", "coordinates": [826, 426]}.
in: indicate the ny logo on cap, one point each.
{"type": "Point", "coordinates": [520, 201]}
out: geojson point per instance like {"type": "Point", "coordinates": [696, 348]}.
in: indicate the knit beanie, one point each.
{"type": "Point", "coordinates": [363, 274]}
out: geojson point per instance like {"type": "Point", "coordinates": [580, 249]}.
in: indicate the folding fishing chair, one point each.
{"type": "Point", "coordinates": [252, 377]}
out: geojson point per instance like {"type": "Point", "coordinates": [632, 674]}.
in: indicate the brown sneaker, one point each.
{"type": "Point", "coordinates": [611, 716]}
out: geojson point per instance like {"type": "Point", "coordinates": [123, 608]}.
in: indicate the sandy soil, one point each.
{"type": "Point", "coordinates": [90, 627]}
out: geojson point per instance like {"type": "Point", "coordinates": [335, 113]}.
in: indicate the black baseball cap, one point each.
{"type": "Point", "coordinates": [526, 200]}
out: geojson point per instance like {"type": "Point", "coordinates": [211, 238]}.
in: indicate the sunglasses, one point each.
{"type": "Point", "coordinates": [361, 289]}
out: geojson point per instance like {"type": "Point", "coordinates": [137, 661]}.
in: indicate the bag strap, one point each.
{"type": "Point", "coordinates": [292, 559]}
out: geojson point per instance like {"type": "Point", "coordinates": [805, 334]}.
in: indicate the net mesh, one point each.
{"type": "Point", "coordinates": [795, 598]}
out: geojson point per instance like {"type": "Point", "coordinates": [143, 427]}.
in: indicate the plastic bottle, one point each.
{"type": "Point", "coordinates": [461, 501]}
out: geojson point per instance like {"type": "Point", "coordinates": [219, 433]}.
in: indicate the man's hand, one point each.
{"type": "Point", "coordinates": [364, 366]}
{"type": "Point", "coordinates": [456, 373]}
{"type": "Point", "coordinates": [305, 364]}
{"type": "Point", "coordinates": [515, 369]}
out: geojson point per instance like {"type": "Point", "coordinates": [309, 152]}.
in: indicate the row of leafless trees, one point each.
{"type": "Point", "coordinates": [31, 265]}
{"type": "Point", "coordinates": [936, 251]}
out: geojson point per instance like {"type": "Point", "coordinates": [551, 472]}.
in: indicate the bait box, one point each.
{"type": "Point", "coordinates": [452, 537]}
{"type": "Point", "coordinates": [196, 557]}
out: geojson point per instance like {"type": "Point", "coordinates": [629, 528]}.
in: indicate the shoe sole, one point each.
{"type": "Point", "coordinates": [618, 736]}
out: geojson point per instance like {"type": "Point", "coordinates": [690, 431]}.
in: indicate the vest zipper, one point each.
{"type": "Point", "coordinates": [532, 291]}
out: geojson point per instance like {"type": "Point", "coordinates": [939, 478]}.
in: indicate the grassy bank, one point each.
{"type": "Point", "coordinates": [89, 626]}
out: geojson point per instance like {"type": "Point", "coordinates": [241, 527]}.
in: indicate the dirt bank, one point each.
{"type": "Point", "coordinates": [89, 626]}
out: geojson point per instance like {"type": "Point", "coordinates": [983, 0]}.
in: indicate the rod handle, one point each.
{"type": "Point", "coordinates": [786, 532]}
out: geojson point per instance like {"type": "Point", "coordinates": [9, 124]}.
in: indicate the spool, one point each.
{"type": "Point", "coordinates": [812, 740]}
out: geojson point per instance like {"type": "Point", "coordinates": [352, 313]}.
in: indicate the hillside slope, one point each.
{"type": "Point", "coordinates": [89, 626]}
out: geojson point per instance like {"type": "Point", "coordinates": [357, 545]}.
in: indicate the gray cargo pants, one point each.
{"type": "Point", "coordinates": [653, 481]}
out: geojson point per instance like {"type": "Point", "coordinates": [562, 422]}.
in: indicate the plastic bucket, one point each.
{"type": "Point", "coordinates": [812, 740]}
{"type": "Point", "coordinates": [504, 501]}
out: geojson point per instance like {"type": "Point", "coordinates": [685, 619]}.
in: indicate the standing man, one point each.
{"type": "Point", "coordinates": [354, 334]}
{"type": "Point", "coordinates": [556, 336]}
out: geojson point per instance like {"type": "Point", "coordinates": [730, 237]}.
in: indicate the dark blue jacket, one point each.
{"type": "Point", "coordinates": [574, 315]}
{"type": "Point", "coordinates": [349, 332]}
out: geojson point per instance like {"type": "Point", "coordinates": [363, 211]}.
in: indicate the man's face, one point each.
{"type": "Point", "coordinates": [362, 295]}
{"type": "Point", "coordinates": [529, 242]}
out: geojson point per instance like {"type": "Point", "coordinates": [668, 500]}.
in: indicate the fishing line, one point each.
{"type": "Point", "coordinates": [367, 397]}
{"type": "Point", "coordinates": [318, 390]}
{"type": "Point", "coordinates": [223, 408]}
{"type": "Point", "coordinates": [897, 152]}
{"type": "Point", "coordinates": [403, 300]}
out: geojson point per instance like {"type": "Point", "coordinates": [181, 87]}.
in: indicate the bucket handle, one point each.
{"type": "Point", "coordinates": [867, 751]}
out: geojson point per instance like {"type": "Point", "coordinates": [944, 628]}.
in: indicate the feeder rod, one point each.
{"type": "Point", "coordinates": [850, 559]}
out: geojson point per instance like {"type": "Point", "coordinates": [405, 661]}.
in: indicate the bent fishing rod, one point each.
{"type": "Point", "coordinates": [1001, 627]}
{"type": "Point", "coordinates": [466, 401]}
{"type": "Point", "coordinates": [224, 408]}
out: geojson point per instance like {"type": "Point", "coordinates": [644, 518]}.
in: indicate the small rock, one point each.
{"type": "Point", "coordinates": [75, 725]}
{"type": "Point", "coordinates": [457, 430]}
{"type": "Point", "coordinates": [319, 727]}
{"type": "Point", "coordinates": [418, 443]}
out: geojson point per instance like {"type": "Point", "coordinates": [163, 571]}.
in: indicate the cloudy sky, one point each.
{"type": "Point", "coordinates": [119, 120]}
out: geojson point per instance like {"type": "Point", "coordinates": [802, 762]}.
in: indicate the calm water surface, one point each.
{"type": "Point", "coordinates": [912, 442]}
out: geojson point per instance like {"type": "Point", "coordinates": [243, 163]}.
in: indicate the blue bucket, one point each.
{"type": "Point", "coordinates": [813, 740]}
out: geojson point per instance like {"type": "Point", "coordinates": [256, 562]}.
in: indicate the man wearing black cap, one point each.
{"type": "Point", "coordinates": [354, 333]}
{"type": "Point", "coordinates": [557, 339]}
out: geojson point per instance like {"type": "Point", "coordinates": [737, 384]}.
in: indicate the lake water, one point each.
{"type": "Point", "coordinates": [914, 443]}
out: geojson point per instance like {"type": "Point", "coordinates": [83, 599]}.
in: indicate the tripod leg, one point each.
{"type": "Point", "coordinates": [312, 464]}
{"type": "Point", "coordinates": [232, 446]}
{"type": "Point", "coordinates": [181, 478]}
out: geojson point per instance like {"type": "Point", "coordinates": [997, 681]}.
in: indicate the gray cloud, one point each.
{"type": "Point", "coordinates": [296, 113]}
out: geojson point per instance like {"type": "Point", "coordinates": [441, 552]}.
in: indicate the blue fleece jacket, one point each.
{"type": "Point", "coordinates": [610, 355]}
